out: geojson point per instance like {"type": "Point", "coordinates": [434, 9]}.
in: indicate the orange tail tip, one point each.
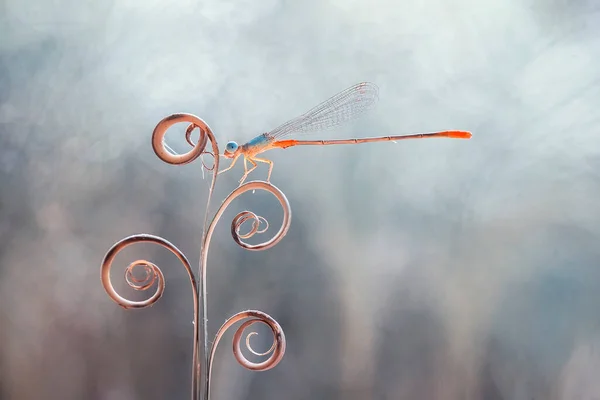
{"type": "Point", "coordinates": [459, 134]}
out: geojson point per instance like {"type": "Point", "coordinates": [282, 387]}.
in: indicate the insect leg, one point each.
{"type": "Point", "coordinates": [247, 170]}
{"type": "Point", "coordinates": [264, 160]}
{"type": "Point", "coordinates": [230, 166]}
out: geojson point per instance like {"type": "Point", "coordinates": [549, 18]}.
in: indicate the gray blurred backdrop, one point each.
{"type": "Point", "coordinates": [433, 269]}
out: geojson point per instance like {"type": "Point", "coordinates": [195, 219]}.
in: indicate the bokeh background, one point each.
{"type": "Point", "coordinates": [433, 269]}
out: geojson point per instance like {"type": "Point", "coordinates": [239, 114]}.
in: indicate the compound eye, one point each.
{"type": "Point", "coordinates": [231, 146]}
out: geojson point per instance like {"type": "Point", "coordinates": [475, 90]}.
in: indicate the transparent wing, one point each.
{"type": "Point", "coordinates": [338, 109]}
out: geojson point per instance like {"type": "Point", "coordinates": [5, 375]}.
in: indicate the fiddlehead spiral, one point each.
{"type": "Point", "coordinates": [164, 152]}
{"type": "Point", "coordinates": [246, 216]}
{"type": "Point", "coordinates": [152, 273]}
{"type": "Point", "coordinates": [277, 350]}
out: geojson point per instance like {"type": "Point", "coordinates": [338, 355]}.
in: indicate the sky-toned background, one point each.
{"type": "Point", "coordinates": [433, 269]}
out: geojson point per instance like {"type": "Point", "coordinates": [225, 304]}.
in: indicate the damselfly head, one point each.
{"type": "Point", "coordinates": [230, 149]}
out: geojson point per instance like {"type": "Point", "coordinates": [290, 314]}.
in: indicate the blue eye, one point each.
{"type": "Point", "coordinates": [231, 146]}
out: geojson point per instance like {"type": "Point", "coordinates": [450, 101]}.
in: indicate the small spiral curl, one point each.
{"type": "Point", "coordinates": [242, 218]}
{"type": "Point", "coordinates": [150, 275]}
{"type": "Point", "coordinates": [276, 351]}
{"type": "Point", "coordinates": [151, 272]}
{"type": "Point", "coordinates": [164, 152]}
{"type": "Point", "coordinates": [247, 216]}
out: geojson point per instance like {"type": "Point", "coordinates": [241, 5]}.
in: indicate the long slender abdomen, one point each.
{"type": "Point", "coordinates": [448, 134]}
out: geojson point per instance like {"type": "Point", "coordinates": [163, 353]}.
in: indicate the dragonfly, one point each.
{"type": "Point", "coordinates": [338, 109]}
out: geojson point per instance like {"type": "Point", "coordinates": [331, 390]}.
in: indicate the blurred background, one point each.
{"type": "Point", "coordinates": [432, 269]}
